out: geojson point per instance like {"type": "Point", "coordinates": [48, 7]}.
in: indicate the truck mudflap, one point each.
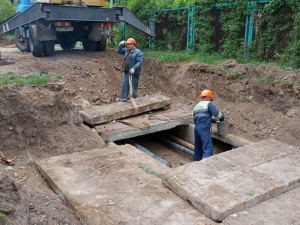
{"type": "Point", "coordinates": [71, 13]}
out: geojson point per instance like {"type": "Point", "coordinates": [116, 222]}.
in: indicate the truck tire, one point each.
{"type": "Point", "coordinates": [101, 45]}
{"type": "Point", "coordinates": [67, 46]}
{"type": "Point", "coordinates": [21, 43]}
{"type": "Point", "coordinates": [36, 46]}
{"type": "Point", "coordinates": [90, 46]}
{"type": "Point", "coordinates": [49, 48]}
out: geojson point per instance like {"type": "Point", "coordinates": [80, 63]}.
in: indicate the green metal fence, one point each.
{"type": "Point", "coordinates": [252, 29]}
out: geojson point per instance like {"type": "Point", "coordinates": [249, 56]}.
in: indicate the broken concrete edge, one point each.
{"type": "Point", "coordinates": [214, 213]}
{"type": "Point", "coordinates": [139, 132]}
{"type": "Point", "coordinates": [228, 140]}
{"type": "Point", "coordinates": [59, 192]}
{"type": "Point", "coordinates": [93, 119]}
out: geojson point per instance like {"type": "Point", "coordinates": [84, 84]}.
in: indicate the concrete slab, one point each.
{"type": "Point", "coordinates": [231, 139]}
{"type": "Point", "coordinates": [238, 179]}
{"type": "Point", "coordinates": [282, 209]}
{"type": "Point", "coordinates": [101, 114]}
{"type": "Point", "coordinates": [108, 186]}
{"type": "Point", "coordinates": [187, 133]}
{"type": "Point", "coordinates": [159, 120]}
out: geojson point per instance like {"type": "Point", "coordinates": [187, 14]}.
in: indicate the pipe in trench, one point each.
{"type": "Point", "coordinates": [143, 149]}
{"type": "Point", "coordinates": [180, 141]}
{"type": "Point", "coordinates": [177, 146]}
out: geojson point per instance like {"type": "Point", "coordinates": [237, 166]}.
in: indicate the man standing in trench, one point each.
{"type": "Point", "coordinates": [133, 61]}
{"type": "Point", "coordinates": [203, 113]}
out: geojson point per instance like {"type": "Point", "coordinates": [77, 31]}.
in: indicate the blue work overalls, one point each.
{"type": "Point", "coordinates": [203, 113]}
{"type": "Point", "coordinates": [135, 62]}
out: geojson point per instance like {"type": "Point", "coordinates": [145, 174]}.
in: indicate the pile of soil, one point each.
{"type": "Point", "coordinates": [6, 42]}
{"type": "Point", "coordinates": [37, 122]}
{"type": "Point", "coordinates": [259, 101]}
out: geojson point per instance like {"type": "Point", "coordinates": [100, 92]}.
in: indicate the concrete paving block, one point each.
{"type": "Point", "coordinates": [158, 120]}
{"type": "Point", "coordinates": [238, 179]}
{"type": "Point", "coordinates": [101, 114]}
{"type": "Point", "coordinates": [282, 209]}
{"type": "Point", "coordinates": [106, 186]}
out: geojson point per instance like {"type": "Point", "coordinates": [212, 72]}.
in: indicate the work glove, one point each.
{"type": "Point", "coordinates": [214, 120]}
{"type": "Point", "coordinates": [122, 43]}
{"type": "Point", "coordinates": [131, 71]}
{"type": "Point", "coordinates": [222, 119]}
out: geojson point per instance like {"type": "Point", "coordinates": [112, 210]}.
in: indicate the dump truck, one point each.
{"type": "Point", "coordinates": [40, 24]}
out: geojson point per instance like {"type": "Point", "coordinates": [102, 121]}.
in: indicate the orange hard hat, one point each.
{"type": "Point", "coordinates": [130, 41]}
{"type": "Point", "coordinates": [205, 93]}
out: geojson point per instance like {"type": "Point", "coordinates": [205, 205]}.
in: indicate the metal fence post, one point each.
{"type": "Point", "coordinates": [191, 30]}
{"type": "Point", "coordinates": [124, 30]}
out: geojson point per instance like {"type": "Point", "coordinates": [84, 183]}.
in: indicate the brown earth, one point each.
{"type": "Point", "coordinates": [260, 102]}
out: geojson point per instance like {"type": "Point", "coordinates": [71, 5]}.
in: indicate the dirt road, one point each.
{"type": "Point", "coordinates": [260, 102]}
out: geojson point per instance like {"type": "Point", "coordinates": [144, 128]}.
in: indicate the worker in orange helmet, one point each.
{"type": "Point", "coordinates": [133, 61]}
{"type": "Point", "coordinates": [203, 113]}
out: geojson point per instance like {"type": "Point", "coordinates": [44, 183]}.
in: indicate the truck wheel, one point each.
{"type": "Point", "coordinates": [101, 45]}
{"type": "Point", "coordinates": [21, 43]}
{"type": "Point", "coordinates": [49, 48]}
{"type": "Point", "coordinates": [89, 46]}
{"type": "Point", "coordinates": [67, 46]}
{"type": "Point", "coordinates": [36, 46]}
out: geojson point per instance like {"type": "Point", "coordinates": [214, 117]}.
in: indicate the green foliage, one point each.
{"type": "Point", "coordinates": [13, 78]}
{"type": "Point", "coordinates": [4, 218]}
{"type": "Point", "coordinates": [220, 30]}
{"type": "Point", "coordinates": [269, 80]}
{"type": "Point", "coordinates": [6, 9]}
{"type": "Point", "coordinates": [237, 75]}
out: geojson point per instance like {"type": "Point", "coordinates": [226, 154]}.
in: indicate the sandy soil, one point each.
{"type": "Point", "coordinates": [38, 122]}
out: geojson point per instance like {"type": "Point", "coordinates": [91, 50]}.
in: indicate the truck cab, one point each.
{"type": "Point", "coordinates": [22, 5]}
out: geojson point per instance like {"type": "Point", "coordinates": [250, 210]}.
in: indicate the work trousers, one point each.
{"type": "Point", "coordinates": [203, 143]}
{"type": "Point", "coordinates": [125, 86]}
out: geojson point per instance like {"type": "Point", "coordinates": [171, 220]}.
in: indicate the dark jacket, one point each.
{"type": "Point", "coordinates": [135, 60]}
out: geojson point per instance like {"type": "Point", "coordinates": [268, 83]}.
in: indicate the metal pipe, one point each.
{"type": "Point", "coordinates": [180, 141]}
{"type": "Point", "coordinates": [143, 149]}
{"type": "Point", "coordinates": [177, 146]}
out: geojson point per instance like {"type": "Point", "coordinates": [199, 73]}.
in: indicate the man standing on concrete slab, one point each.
{"type": "Point", "coordinates": [203, 113]}
{"type": "Point", "coordinates": [133, 61]}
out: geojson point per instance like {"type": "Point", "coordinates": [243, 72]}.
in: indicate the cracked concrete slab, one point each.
{"type": "Point", "coordinates": [282, 209]}
{"type": "Point", "coordinates": [101, 114]}
{"type": "Point", "coordinates": [238, 179]}
{"type": "Point", "coordinates": [158, 120]}
{"type": "Point", "coordinates": [111, 186]}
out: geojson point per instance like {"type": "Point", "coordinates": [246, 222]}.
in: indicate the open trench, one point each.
{"type": "Point", "coordinates": [175, 156]}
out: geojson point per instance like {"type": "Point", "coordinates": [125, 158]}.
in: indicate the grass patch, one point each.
{"type": "Point", "coordinates": [237, 75]}
{"type": "Point", "coordinates": [37, 78]}
{"type": "Point", "coordinates": [8, 36]}
{"type": "Point", "coordinates": [185, 56]}
{"type": "Point", "coordinates": [269, 80]}
{"type": "Point", "coordinates": [4, 218]}
{"type": "Point", "coordinates": [212, 59]}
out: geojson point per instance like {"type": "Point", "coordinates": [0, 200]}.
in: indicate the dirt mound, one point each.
{"type": "Point", "coordinates": [37, 122]}
{"type": "Point", "coordinates": [5, 42]}
{"type": "Point", "coordinates": [40, 120]}
{"type": "Point", "coordinates": [26, 199]}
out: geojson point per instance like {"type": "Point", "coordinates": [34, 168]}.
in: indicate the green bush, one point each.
{"type": "Point", "coordinates": [6, 9]}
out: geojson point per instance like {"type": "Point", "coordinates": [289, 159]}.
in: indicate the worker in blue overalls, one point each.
{"type": "Point", "coordinates": [133, 61]}
{"type": "Point", "coordinates": [203, 113]}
